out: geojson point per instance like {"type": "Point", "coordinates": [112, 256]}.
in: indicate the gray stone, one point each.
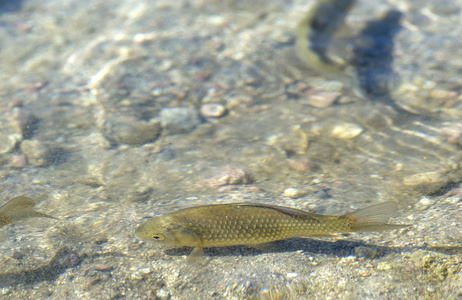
{"type": "Point", "coordinates": [178, 120]}
{"type": "Point", "coordinates": [130, 131]}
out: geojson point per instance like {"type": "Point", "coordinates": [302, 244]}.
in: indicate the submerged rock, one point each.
{"type": "Point", "coordinates": [177, 120]}
{"type": "Point", "coordinates": [37, 153]}
{"type": "Point", "coordinates": [131, 131]}
{"type": "Point", "coordinates": [427, 183]}
{"type": "Point", "coordinates": [8, 142]}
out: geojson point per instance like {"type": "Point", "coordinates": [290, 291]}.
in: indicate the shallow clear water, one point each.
{"type": "Point", "coordinates": [117, 111]}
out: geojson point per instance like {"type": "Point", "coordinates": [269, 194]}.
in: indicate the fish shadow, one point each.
{"type": "Point", "coordinates": [340, 248]}
{"type": "Point", "coordinates": [373, 56]}
{"type": "Point", "coordinates": [64, 259]}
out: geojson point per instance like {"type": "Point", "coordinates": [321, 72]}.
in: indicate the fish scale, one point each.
{"type": "Point", "coordinates": [253, 230]}
{"type": "Point", "coordinates": [261, 230]}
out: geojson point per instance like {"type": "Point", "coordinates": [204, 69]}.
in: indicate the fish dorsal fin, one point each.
{"type": "Point", "coordinates": [375, 214]}
{"type": "Point", "coordinates": [283, 209]}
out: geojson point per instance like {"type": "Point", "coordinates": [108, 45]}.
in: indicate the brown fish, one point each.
{"type": "Point", "coordinates": [253, 224]}
{"type": "Point", "coordinates": [19, 208]}
{"type": "Point", "coordinates": [318, 41]}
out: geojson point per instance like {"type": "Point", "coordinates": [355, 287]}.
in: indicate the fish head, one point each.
{"type": "Point", "coordinates": [164, 230]}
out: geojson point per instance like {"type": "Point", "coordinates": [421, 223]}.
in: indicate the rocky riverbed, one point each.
{"type": "Point", "coordinates": [114, 111]}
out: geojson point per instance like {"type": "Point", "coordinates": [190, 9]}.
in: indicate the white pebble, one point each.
{"type": "Point", "coordinates": [292, 193]}
{"type": "Point", "coordinates": [424, 203]}
{"type": "Point", "coordinates": [346, 130]}
{"type": "Point", "coordinates": [212, 110]}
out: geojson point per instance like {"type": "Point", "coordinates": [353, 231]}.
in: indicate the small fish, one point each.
{"type": "Point", "coordinates": [253, 224]}
{"type": "Point", "coordinates": [319, 37]}
{"type": "Point", "coordinates": [19, 208]}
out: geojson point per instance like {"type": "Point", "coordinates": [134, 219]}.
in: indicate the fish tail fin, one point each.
{"type": "Point", "coordinates": [374, 218]}
{"type": "Point", "coordinates": [20, 208]}
{"type": "Point", "coordinates": [16, 203]}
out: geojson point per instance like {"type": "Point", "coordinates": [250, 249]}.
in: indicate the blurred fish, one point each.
{"type": "Point", "coordinates": [319, 37]}
{"type": "Point", "coordinates": [19, 208]}
{"type": "Point", "coordinates": [253, 224]}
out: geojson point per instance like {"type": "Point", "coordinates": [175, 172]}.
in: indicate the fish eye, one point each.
{"type": "Point", "coordinates": [157, 237]}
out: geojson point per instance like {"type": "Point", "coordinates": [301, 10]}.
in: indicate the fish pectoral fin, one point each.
{"type": "Point", "coordinates": [195, 255]}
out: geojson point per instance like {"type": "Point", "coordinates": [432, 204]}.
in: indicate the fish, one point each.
{"type": "Point", "coordinates": [252, 224]}
{"type": "Point", "coordinates": [319, 36]}
{"type": "Point", "coordinates": [19, 208]}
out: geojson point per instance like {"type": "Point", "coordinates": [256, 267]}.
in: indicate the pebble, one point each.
{"type": "Point", "coordinates": [302, 164]}
{"type": "Point", "coordinates": [163, 294]}
{"type": "Point", "coordinates": [366, 252]}
{"type": "Point", "coordinates": [18, 161]}
{"type": "Point", "coordinates": [216, 20]}
{"type": "Point", "coordinates": [424, 203]}
{"type": "Point", "coordinates": [454, 195]}
{"type": "Point", "coordinates": [346, 130]}
{"type": "Point", "coordinates": [145, 270]}
{"type": "Point", "coordinates": [452, 134]}
{"type": "Point", "coordinates": [8, 142]}
{"type": "Point", "coordinates": [427, 183]}
{"type": "Point", "coordinates": [229, 176]}
{"type": "Point", "coordinates": [348, 259]}
{"type": "Point", "coordinates": [37, 153]}
{"type": "Point", "coordinates": [5, 291]}
{"type": "Point", "coordinates": [293, 193]}
{"type": "Point", "coordinates": [322, 99]}
{"type": "Point", "coordinates": [384, 266]}
{"type": "Point", "coordinates": [178, 120]}
{"type": "Point", "coordinates": [131, 131]}
{"type": "Point", "coordinates": [212, 110]}
{"type": "Point", "coordinates": [292, 275]}
{"type": "Point", "coordinates": [294, 141]}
